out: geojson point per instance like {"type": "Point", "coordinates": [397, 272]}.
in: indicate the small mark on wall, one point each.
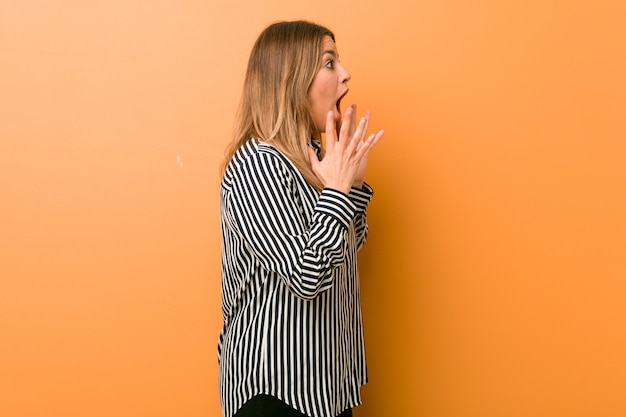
{"type": "Point", "coordinates": [179, 161]}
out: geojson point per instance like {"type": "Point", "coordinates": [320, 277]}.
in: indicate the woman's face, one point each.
{"type": "Point", "coordinates": [329, 86]}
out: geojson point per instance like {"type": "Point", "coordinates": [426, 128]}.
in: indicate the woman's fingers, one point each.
{"type": "Point", "coordinates": [345, 157]}
{"type": "Point", "coordinates": [353, 120]}
{"type": "Point", "coordinates": [348, 120]}
{"type": "Point", "coordinates": [359, 134]}
{"type": "Point", "coordinates": [351, 137]}
{"type": "Point", "coordinates": [364, 150]}
{"type": "Point", "coordinates": [330, 131]}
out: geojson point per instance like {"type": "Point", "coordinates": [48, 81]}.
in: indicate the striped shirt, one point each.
{"type": "Point", "coordinates": [290, 287]}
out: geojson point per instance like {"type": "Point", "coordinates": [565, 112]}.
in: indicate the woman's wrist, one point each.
{"type": "Point", "coordinates": [344, 188]}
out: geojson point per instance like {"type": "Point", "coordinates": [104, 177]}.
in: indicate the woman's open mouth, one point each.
{"type": "Point", "coordinates": [339, 104]}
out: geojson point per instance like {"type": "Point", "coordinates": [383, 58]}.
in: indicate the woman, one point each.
{"type": "Point", "coordinates": [293, 218]}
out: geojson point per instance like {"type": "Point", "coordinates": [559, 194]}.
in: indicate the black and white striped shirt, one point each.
{"type": "Point", "coordinates": [290, 287]}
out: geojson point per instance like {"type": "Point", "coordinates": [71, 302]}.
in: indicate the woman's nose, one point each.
{"type": "Point", "coordinates": [345, 76]}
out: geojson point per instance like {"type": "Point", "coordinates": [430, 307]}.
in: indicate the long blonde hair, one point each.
{"type": "Point", "coordinates": [274, 105]}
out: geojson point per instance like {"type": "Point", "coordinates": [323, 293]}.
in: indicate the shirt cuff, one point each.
{"type": "Point", "coordinates": [336, 204]}
{"type": "Point", "coordinates": [361, 197]}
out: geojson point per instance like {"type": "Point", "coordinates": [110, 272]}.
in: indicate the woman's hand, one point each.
{"type": "Point", "coordinates": [345, 160]}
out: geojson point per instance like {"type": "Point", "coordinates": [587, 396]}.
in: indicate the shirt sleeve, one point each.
{"type": "Point", "coordinates": [361, 198]}
{"type": "Point", "coordinates": [266, 212]}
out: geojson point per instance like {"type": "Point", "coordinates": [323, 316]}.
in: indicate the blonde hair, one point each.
{"type": "Point", "coordinates": [274, 105]}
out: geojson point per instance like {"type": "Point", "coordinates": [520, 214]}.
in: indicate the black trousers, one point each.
{"type": "Point", "coordinates": [268, 406]}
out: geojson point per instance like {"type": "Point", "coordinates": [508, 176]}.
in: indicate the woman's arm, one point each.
{"type": "Point", "coordinates": [263, 209]}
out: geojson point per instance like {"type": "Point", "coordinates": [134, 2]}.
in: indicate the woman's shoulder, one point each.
{"type": "Point", "coordinates": [258, 156]}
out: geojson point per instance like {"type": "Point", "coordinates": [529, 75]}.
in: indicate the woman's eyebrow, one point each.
{"type": "Point", "coordinates": [331, 52]}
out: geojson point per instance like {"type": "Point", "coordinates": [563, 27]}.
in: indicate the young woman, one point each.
{"type": "Point", "coordinates": [293, 218]}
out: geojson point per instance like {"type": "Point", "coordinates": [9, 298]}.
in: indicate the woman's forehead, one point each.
{"type": "Point", "coordinates": [329, 46]}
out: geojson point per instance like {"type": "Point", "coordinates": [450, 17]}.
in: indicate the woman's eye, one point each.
{"type": "Point", "coordinates": [330, 64]}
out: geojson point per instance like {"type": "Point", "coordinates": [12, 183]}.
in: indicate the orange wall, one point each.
{"type": "Point", "coordinates": [494, 278]}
